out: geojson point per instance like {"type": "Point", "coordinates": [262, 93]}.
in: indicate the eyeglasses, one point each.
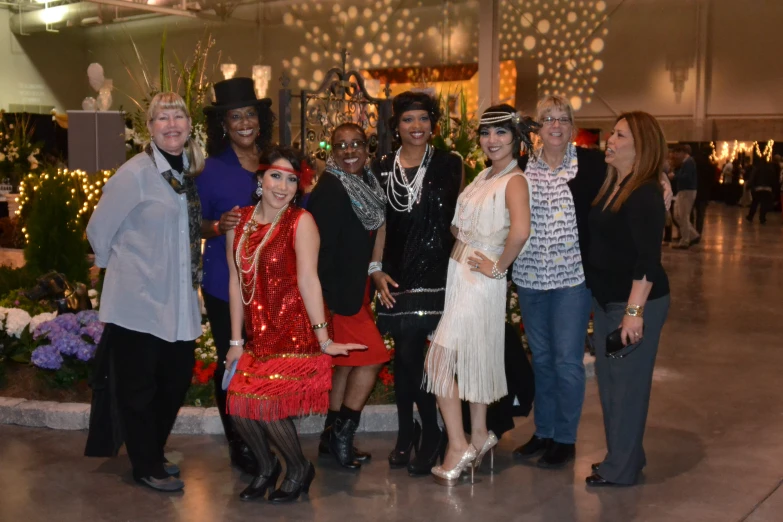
{"type": "Point", "coordinates": [549, 120]}
{"type": "Point", "coordinates": [353, 145]}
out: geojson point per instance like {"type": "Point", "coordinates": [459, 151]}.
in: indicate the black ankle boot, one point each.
{"type": "Point", "coordinates": [399, 458]}
{"type": "Point", "coordinates": [423, 462]}
{"type": "Point", "coordinates": [341, 443]}
{"type": "Point", "coordinates": [242, 457]}
{"type": "Point", "coordinates": [323, 447]}
{"type": "Point", "coordinates": [260, 484]}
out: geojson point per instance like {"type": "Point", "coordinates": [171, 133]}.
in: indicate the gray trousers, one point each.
{"type": "Point", "coordinates": [624, 387]}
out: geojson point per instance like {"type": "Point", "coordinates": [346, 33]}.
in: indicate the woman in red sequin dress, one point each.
{"type": "Point", "coordinates": [284, 370]}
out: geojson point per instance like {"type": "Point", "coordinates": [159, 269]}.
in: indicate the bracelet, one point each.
{"type": "Point", "coordinates": [240, 342]}
{"type": "Point", "coordinates": [496, 273]}
{"type": "Point", "coordinates": [634, 311]}
{"type": "Point", "coordinates": [325, 345]}
{"type": "Point", "coordinates": [216, 227]}
{"type": "Point", "coordinates": [375, 266]}
{"type": "Point", "coordinates": [320, 325]}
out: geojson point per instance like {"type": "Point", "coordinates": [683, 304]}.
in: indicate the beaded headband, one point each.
{"type": "Point", "coordinates": [488, 118]}
{"type": "Point", "coordinates": [305, 175]}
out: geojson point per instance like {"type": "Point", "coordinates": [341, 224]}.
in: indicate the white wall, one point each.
{"type": "Point", "coordinates": [44, 69]}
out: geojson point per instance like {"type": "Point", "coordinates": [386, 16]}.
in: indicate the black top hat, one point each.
{"type": "Point", "coordinates": [235, 93]}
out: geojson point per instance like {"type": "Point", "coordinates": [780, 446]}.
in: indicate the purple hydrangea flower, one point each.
{"type": "Point", "coordinates": [85, 351]}
{"type": "Point", "coordinates": [93, 330]}
{"type": "Point", "coordinates": [47, 357]}
{"type": "Point", "coordinates": [47, 330]}
{"type": "Point", "coordinates": [68, 322]}
{"type": "Point", "coordinates": [87, 317]}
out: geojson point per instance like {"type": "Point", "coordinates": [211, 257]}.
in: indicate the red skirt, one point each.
{"type": "Point", "coordinates": [360, 328]}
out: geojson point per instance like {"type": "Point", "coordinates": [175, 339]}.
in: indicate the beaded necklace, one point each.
{"type": "Point", "coordinates": [479, 189]}
{"type": "Point", "coordinates": [411, 188]}
{"type": "Point", "coordinates": [241, 251]}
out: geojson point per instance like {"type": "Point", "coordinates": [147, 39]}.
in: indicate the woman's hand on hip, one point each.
{"type": "Point", "coordinates": [478, 262]}
{"type": "Point", "coordinates": [234, 353]}
{"type": "Point", "coordinates": [632, 330]}
{"type": "Point", "coordinates": [382, 281]}
{"type": "Point", "coordinates": [343, 348]}
{"type": "Point", "coordinates": [229, 220]}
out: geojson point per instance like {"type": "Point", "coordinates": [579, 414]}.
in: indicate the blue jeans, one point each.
{"type": "Point", "coordinates": [556, 325]}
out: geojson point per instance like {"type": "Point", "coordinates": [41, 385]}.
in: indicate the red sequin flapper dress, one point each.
{"type": "Point", "coordinates": [282, 372]}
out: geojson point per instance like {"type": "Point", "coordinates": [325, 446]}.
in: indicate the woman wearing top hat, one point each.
{"type": "Point", "coordinates": [239, 126]}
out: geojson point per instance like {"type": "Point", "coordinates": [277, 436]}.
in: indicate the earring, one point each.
{"type": "Point", "coordinates": [259, 190]}
{"type": "Point", "coordinates": [397, 135]}
{"type": "Point", "coordinates": [224, 133]}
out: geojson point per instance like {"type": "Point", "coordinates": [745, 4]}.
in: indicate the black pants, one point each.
{"type": "Point", "coordinates": [697, 215]}
{"type": "Point", "coordinates": [762, 199]}
{"type": "Point", "coordinates": [219, 315]}
{"type": "Point", "coordinates": [152, 378]}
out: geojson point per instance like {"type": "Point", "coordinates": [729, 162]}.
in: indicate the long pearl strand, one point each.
{"type": "Point", "coordinates": [479, 189]}
{"type": "Point", "coordinates": [412, 188]}
{"type": "Point", "coordinates": [250, 227]}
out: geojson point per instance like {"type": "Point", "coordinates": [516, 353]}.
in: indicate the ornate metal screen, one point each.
{"type": "Point", "coordinates": [342, 97]}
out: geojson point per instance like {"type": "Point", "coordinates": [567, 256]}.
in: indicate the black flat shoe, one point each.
{"type": "Point", "coordinates": [594, 467]}
{"type": "Point", "coordinates": [533, 447]}
{"type": "Point", "coordinates": [260, 484]}
{"type": "Point", "coordinates": [400, 458]}
{"type": "Point", "coordinates": [166, 485]}
{"type": "Point", "coordinates": [422, 463]}
{"type": "Point", "coordinates": [280, 497]}
{"type": "Point", "coordinates": [557, 455]}
{"type": "Point", "coordinates": [596, 480]}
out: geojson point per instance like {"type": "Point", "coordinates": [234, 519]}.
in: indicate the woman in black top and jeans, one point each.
{"type": "Point", "coordinates": [630, 289]}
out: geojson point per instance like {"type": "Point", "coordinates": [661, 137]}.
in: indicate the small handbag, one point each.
{"type": "Point", "coordinates": [614, 345]}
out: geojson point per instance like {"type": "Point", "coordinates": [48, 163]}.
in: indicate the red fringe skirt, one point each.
{"type": "Point", "coordinates": [276, 387]}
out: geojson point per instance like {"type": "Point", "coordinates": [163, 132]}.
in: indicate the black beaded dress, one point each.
{"type": "Point", "coordinates": [418, 244]}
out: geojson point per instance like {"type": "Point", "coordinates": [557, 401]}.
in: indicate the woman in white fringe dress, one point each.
{"type": "Point", "coordinates": [466, 357]}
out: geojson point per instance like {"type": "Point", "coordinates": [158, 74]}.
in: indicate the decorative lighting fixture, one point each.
{"type": "Point", "coordinates": [729, 153]}
{"type": "Point", "coordinates": [228, 70]}
{"type": "Point", "coordinates": [262, 74]}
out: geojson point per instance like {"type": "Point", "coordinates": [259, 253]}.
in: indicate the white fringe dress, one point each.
{"type": "Point", "coordinates": [469, 341]}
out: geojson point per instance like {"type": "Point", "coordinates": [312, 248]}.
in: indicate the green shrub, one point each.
{"type": "Point", "coordinates": [56, 236]}
{"type": "Point", "coordinates": [15, 278]}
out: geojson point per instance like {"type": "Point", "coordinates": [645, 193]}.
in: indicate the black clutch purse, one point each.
{"type": "Point", "coordinates": [614, 345]}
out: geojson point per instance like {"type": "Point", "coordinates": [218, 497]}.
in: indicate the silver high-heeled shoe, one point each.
{"type": "Point", "coordinates": [489, 446]}
{"type": "Point", "coordinates": [450, 477]}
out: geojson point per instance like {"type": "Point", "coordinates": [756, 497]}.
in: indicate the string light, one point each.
{"type": "Point", "coordinates": [729, 154]}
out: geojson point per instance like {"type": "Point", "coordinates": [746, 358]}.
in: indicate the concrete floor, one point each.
{"type": "Point", "coordinates": [714, 444]}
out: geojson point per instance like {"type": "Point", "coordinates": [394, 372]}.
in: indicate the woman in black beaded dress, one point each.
{"type": "Point", "coordinates": [422, 185]}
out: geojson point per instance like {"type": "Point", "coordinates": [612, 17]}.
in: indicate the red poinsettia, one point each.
{"type": "Point", "coordinates": [385, 376]}
{"type": "Point", "coordinates": [203, 371]}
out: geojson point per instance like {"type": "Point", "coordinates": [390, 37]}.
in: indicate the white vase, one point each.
{"type": "Point", "coordinates": [104, 99]}
{"type": "Point", "coordinates": [89, 104]}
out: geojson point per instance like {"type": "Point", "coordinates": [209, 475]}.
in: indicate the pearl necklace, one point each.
{"type": "Point", "coordinates": [250, 227]}
{"type": "Point", "coordinates": [412, 189]}
{"type": "Point", "coordinates": [479, 189]}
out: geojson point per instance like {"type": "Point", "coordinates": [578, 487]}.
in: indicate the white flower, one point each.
{"type": "Point", "coordinates": [16, 321]}
{"type": "Point", "coordinates": [33, 161]}
{"type": "Point", "coordinates": [515, 318]}
{"type": "Point", "coordinates": [448, 142]}
{"type": "Point", "coordinates": [94, 302]}
{"type": "Point", "coordinates": [40, 319]}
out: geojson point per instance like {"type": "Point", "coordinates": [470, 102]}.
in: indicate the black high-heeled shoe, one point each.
{"type": "Point", "coordinates": [400, 458]}
{"type": "Point", "coordinates": [279, 496]}
{"type": "Point", "coordinates": [422, 464]}
{"type": "Point", "coordinates": [260, 484]}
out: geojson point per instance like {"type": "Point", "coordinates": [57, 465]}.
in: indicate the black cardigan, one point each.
{"type": "Point", "coordinates": [346, 246]}
{"type": "Point", "coordinates": [585, 186]}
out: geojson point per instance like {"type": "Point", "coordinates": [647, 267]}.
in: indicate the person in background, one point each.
{"type": "Point", "coordinates": [146, 232]}
{"type": "Point", "coordinates": [686, 176]}
{"type": "Point", "coordinates": [761, 184]}
{"type": "Point", "coordinates": [705, 171]}
{"type": "Point", "coordinates": [239, 126]}
{"type": "Point", "coordinates": [630, 290]}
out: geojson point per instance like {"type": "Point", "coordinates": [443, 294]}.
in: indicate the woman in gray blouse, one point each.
{"type": "Point", "coordinates": [146, 232]}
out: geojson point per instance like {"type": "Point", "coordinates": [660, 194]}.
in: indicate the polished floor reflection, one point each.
{"type": "Point", "coordinates": [714, 444]}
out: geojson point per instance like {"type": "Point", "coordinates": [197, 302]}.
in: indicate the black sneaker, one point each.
{"type": "Point", "coordinates": [533, 447]}
{"type": "Point", "coordinates": [557, 455]}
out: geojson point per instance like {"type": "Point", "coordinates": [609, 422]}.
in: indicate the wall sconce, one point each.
{"type": "Point", "coordinates": [262, 74]}
{"type": "Point", "coordinates": [678, 74]}
{"type": "Point", "coordinates": [228, 70]}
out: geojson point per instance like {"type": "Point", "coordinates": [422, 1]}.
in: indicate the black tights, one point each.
{"type": "Point", "coordinates": [282, 434]}
{"type": "Point", "coordinates": [409, 348]}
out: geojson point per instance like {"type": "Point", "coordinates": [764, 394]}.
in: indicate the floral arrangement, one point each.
{"type": "Point", "coordinates": [18, 152]}
{"type": "Point", "coordinates": [69, 335]}
{"type": "Point", "coordinates": [459, 134]}
{"type": "Point", "coordinates": [202, 391]}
